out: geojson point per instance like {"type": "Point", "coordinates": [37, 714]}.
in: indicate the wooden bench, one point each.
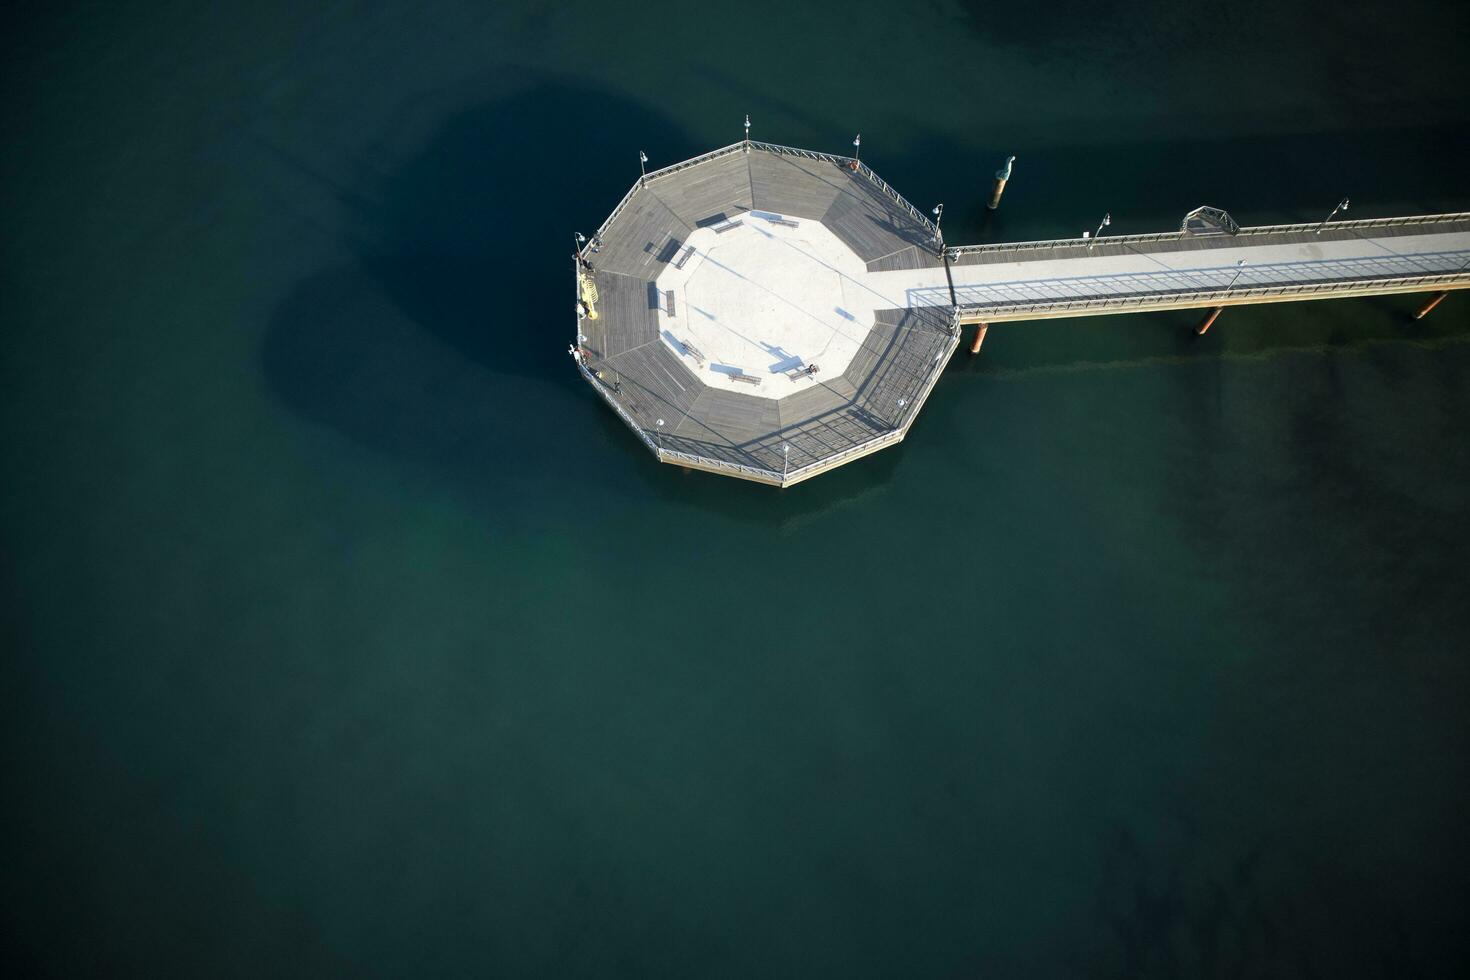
{"type": "Point", "coordinates": [749, 379]}
{"type": "Point", "coordinates": [669, 302]}
{"type": "Point", "coordinates": [683, 256]}
{"type": "Point", "coordinates": [692, 351]}
{"type": "Point", "coordinates": [775, 219]}
{"type": "Point", "coordinates": [725, 226]}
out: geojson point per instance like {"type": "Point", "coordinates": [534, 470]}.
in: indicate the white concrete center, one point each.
{"type": "Point", "coordinates": [765, 300]}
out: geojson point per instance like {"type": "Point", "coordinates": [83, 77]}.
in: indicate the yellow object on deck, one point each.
{"type": "Point", "coordinates": [588, 289]}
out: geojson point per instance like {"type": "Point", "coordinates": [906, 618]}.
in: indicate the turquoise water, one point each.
{"type": "Point", "coordinates": [347, 633]}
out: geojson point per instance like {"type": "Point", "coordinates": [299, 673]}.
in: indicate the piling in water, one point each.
{"type": "Point", "coordinates": [1424, 310]}
{"type": "Point", "coordinates": [979, 337]}
{"type": "Point", "coordinates": [1209, 320]}
{"type": "Point", "coordinates": [1001, 176]}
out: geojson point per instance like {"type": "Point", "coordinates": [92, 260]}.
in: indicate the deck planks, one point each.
{"type": "Point", "coordinates": [644, 238]}
{"type": "Point", "coordinates": [719, 186]}
{"type": "Point", "coordinates": [624, 317]}
{"type": "Point", "coordinates": [871, 223]}
{"type": "Point", "coordinates": [719, 421]}
{"type": "Point", "coordinates": [796, 186]}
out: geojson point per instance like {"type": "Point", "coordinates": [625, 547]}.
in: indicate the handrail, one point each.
{"type": "Point", "coordinates": [898, 432]}
{"type": "Point", "coordinates": [779, 476]}
{"type": "Point", "coordinates": [957, 251]}
{"type": "Point", "coordinates": [862, 168]}
{"type": "Point", "coordinates": [1211, 295]}
{"type": "Point", "coordinates": [777, 148]}
{"type": "Point", "coordinates": [602, 390]}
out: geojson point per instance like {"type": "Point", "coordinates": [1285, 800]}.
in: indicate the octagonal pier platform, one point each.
{"type": "Point", "coordinates": [737, 319]}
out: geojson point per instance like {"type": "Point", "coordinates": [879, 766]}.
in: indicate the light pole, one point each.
{"type": "Point", "coordinates": [938, 217]}
{"type": "Point", "coordinates": [747, 127]}
{"type": "Point", "coordinates": [580, 240]}
{"type": "Point", "coordinates": [660, 438]}
{"type": "Point", "coordinates": [1107, 220]}
{"type": "Point", "coordinates": [1341, 206]}
{"type": "Point", "coordinates": [786, 462]}
{"type": "Point", "coordinates": [857, 148]}
{"type": "Point", "coordinates": [642, 167]}
{"type": "Point", "coordinates": [1239, 268]}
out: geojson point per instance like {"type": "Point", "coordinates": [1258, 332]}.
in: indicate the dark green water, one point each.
{"type": "Point", "coordinates": [346, 633]}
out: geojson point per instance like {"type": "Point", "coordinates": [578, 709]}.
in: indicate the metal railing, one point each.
{"type": "Point", "coordinates": [1252, 231]}
{"type": "Point", "coordinates": [710, 462]}
{"type": "Point", "coordinates": [786, 476]}
{"type": "Point", "coordinates": [776, 148]}
{"type": "Point", "coordinates": [695, 161]}
{"type": "Point", "coordinates": [664, 172]}
{"type": "Point", "coordinates": [862, 168]}
{"type": "Point", "coordinates": [601, 389]}
{"type": "Point", "coordinates": [1206, 296]}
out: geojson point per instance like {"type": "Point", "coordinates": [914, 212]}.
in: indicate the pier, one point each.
{"type": "Point", "coordinates": [770, 313]}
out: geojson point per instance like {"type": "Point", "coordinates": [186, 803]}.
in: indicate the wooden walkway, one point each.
{"type": "Point", "coordinates": [921, 294]}
{"type": "Point", "coordinates": [1268, 264]}
{"type": "Point", "coordinates": [867, 406]}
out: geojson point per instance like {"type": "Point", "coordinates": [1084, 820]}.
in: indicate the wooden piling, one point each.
{"type": "Point", "coordinates": [996, 192]}
{"type": "Point", "coordinates": [979, 337]}
{"type": "Point", "coordinates": [1209, 320]}
{"type": "Point", "coordinates": [1424, 310]}
{"type": "Point", "coordinates": [1001, 176]}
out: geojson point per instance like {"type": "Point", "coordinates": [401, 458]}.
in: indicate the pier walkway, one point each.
{"type": "Point", "coordinates": [770, 313]}
{"type": "Point", "coordinates": [1272, 263]}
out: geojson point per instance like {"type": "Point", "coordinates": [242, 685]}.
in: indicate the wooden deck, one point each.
{"type": "Point", "coordinates": [1268, 264]}
{"type": "Point", "coordinates": [866, 406]}
{"type": "Point", "coordinates": [922, 299]}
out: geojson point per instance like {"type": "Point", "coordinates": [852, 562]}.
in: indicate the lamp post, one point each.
{"type": "Point", "coordinates": [857, 145]}
{"type": "Point", "coordinates": [642, 167]}
{"type": "Point", "coordinates": [1107, 220]}
{"type": "Point", "coordinates": [581, 240]}
{"type": "Point", "coordinates": [1239, 268]}
{"type": "Point", "coordinates": [747, 127]}
{"type": "Point", "coordinates": [1341, 206]}
{"type": "Point", "coordinates": [938, 217]}
{"type": "Point", "coordinates": [660, 438]}
{"type": "Point", "coordinates": [786, 461]}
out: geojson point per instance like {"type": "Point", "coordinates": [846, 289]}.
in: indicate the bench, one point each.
{"type": "Point", "coordinates": [775, 219]}
{"type": "Point", "coordinates": [683, 256]}
{"type": "Point", "coordinates": [669, 302]}
{"type": "Point", "coordinates": [725, 226]}
{"type": "Point", "coordinates": [749, 379]}
{"type": "Point", "coordinates": [692, 351]}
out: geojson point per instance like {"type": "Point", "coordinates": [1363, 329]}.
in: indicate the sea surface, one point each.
{"type": "Point", "coordinates": [346, 633]}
